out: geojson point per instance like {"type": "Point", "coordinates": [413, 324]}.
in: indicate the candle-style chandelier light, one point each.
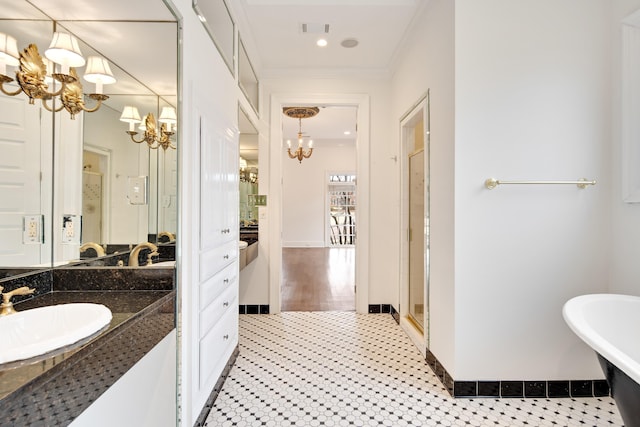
{"type": "Point", "coordinates": [35, 74]}
{"type": "Point", "coordinates": [300, 113]}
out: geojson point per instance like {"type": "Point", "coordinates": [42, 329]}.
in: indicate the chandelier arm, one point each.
{"type": "Point", "coordinates": [4, 80]}
{"type": "Point", "coordinates": [292, 155]}
{"type": "Point", "coordinates": [132, 134]}
{"type": "Point", "coordinates": [53, 110]}
{"type": "Point", "coordinates": [308, 153]}
{"type": "Point", "coordinates": [91, 110]}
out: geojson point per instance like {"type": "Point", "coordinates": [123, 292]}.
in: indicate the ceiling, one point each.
{"type": "Point", "coordinates": [273, 33]}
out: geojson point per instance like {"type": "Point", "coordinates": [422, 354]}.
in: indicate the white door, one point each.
{"type": "Point", "coordinates": [20, 180]}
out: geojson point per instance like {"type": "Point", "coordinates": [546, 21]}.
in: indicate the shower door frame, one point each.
{"type": "Point", "coordinates": [419, 111]}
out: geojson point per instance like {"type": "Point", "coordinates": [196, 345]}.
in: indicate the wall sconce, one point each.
{"type": "Point", "coordinates": [34, 76]}
{"type": "Point", "coordinates": [151, 135]}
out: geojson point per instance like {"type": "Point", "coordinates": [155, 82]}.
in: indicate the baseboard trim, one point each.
{"type": "Point", "coordinates": [253, 309]}
{"type": "Point", "coordinates": [202, 418]}
{"type": "Point", "coordinates": [517, 389]}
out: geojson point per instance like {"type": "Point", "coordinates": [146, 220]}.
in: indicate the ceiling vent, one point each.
{"type": "Point", "coordinates": [313, 28]}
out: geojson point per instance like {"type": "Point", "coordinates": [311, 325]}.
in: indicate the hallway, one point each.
{"type": "Point", "coordinates": [344, 368]}
{"type": "Point", "coordinates": [318, 279]}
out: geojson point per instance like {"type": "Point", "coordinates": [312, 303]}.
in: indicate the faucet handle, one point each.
{"type": "Point", "coordinates": [150, 256]}
{"type": "Point", "coordinates": [7, 306]}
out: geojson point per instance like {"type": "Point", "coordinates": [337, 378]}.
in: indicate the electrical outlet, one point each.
{"type": "Point", "coordinates": [71, 229]}
{"type": "Point", "coordinates": [32, 229]}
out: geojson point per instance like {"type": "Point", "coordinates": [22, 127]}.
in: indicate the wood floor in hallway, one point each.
{"type": "Point", "coordinates": [318, 279]}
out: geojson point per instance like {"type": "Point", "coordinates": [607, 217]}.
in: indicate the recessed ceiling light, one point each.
{"type": "Point", "coordinates": [349, 43]}
{"type": "Point", "coordinates": [346, 132]}
{"type": "Point", "coordinates": [321, 42]}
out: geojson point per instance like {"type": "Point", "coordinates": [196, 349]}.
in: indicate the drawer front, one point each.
{"type": "Point", "coordinates": [227, 301]}
{"type": "Point", "coordinates": [211, 261]}
{"type": "Point", "coordinates": [210, 289]}
{"type": "Point", "coordinates": [217, 343]}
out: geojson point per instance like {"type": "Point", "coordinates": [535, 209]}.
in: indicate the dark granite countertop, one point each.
{"type": "Point", "coordinates": [58, 388]}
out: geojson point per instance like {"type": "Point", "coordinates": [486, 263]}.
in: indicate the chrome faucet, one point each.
{"type": "Point", "coordinates": [133, 256]}
{"type": "Point", "coordinates": [96, 247]}
{"type": "Point", "coordinates": [6, 307]}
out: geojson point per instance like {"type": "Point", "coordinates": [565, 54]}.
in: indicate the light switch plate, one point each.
{"type": "Point", "coordinates": [137, 190]}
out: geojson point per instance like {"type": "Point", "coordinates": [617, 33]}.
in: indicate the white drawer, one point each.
{"type": "Point", "coordinates": [220, 341]}
{"type": "Point", "coordinates": [213, 287]}
{"type": "Point", "coordinates": [228, 300]}
{"type": "Point", "coordinates": [211, 261]}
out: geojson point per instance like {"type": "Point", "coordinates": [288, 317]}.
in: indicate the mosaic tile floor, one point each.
{"type": "Point", "coordinates": [348, 369]}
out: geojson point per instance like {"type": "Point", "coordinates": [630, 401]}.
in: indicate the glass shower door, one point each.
{"type": "Point", "coordinates": [417, 232]}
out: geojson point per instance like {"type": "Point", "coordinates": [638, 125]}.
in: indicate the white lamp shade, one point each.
{"type": "Point", "coordinates": [168, 116]}
{"type": "Point", "coordinates": [130, 115]}
{"type": "Point", "coordinates": [98, 71]}
{"type": "Point", "coordinates": [9, 50]}
{"type": "Point", "coordinates": [65, 50]}
{"type": "Point", "coordinates": [243, 163]}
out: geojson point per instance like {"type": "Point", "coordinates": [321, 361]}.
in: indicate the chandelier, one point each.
{"type": "Point", "coordinates": [36, 74]}
{"type": "Point", "coordinates": [154, 137]}
{"type": "Point", "coordinates": [300, 113]}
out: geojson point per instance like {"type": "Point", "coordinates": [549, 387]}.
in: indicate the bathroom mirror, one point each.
{"type": "Point", "coordinates": [94, 142]}
{"type": "Point", "coordinates": [249, 175]}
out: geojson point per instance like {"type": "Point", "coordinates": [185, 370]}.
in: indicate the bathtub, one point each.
{"type": "Point", "coordinates": [610, 325]}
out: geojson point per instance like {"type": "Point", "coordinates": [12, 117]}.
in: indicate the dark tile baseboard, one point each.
{"type": "Point", "coordinates": [253, 309]}
{"type": "Point", "coordinates": [531, 389]}
{"type": "Point", "coordinates": [201, 421]}
{"type": "Point", "coordinates": [520, 389]}
{"type": "Point", "coordinates": [379, 308]}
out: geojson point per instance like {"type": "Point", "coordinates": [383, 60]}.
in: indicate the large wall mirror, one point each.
{"type": "Point", "coordinates": [65, 182]}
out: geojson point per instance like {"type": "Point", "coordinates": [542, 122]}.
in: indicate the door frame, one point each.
{"type": "Point", "coordinates": [276, 150]}
{"type": "Point", "coordinates": [420, 110]}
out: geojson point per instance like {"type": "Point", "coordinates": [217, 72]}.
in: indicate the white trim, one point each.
{"type": "Point", "coordinates": [630, 108]}
{"type": "Point", "coordinates": [275, 190]}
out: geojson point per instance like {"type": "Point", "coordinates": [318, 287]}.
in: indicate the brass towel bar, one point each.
{"type": "Point", "coordinates": [492, 183]}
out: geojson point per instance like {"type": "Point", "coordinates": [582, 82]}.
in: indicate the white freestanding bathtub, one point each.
{"type": "Point", "coordinates": [610, 325]}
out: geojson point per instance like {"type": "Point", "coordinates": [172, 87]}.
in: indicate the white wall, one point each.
{"type": "Point", "coordinates": [532, 102]}
{"type": "Point", "coordinates": [428, 64]}
{"type": "Point", "coordinates": [304, 215]}
{"type": "Point", "coordinates": [625, 268]}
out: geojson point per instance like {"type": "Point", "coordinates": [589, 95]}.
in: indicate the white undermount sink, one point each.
{"type": "Point", "coordinates": [30, 333]}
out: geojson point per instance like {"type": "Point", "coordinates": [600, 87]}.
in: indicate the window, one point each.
{"type": "Point", "coordinates": [341, 196]}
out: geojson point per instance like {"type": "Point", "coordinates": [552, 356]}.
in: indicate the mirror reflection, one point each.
{"type": "Point", "coordinates": [83, 182]}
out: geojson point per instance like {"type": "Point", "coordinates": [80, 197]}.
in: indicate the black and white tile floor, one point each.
{"type": "Point", "coordinates": [348, 369]}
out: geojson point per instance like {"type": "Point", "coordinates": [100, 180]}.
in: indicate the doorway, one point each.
{"type": "Point", "coordinates": [278, 193]}
{"type": "Point", "coordinates": [318, 232]}
{"type": "Point", "coordinates": [415, 214]}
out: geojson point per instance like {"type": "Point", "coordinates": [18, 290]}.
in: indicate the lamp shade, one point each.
{"type": "Point", "coordinates": [98, 71]}
{"type": "Point", "coordinates": [9, 50]}
{"type": "Point", "coordinates": [130, 115]}
{"type": "Point", "coordinates": [65, 50]}
{"type": "Point", "coordinates": [168, 116]}
{"type": "Point", "coordinates": [243, 163]}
